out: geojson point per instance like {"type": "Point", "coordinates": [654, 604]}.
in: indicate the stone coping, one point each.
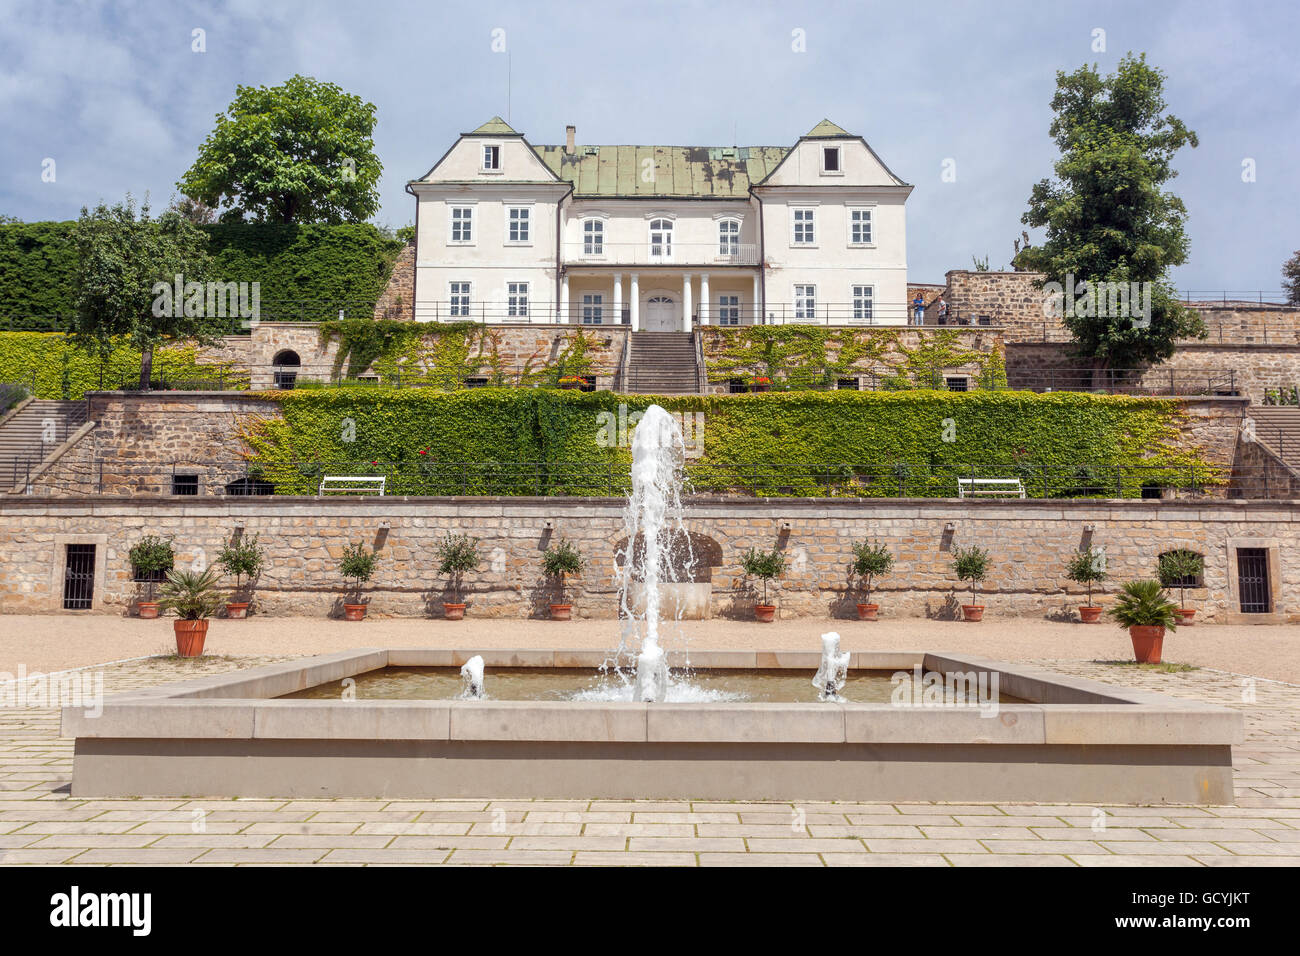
{"type": "Point", "coordinates": [1064, 710]}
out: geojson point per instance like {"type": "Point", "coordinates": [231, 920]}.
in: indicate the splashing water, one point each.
{"type": "Point", "coordinates": [471, 676]}
{"type": "Point", "coordinates": [834, 669]}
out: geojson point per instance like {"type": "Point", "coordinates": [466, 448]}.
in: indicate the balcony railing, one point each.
{"type": "Point", "coordinates": [669, 254]}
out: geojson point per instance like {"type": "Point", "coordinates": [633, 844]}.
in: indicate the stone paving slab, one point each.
{"type": "Point", "coordinates": [41, 824]}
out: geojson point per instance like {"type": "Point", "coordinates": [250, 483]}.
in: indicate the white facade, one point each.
{"type": "Point", "coordinates": [661, 238]}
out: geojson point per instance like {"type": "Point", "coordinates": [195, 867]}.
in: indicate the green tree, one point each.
{"type": "Point", "coordinates": [1291, 279]}
{"type": "Point", "coordinates": [296, 153]}
{"type": "Point", "coordinates": [1106, 215]}
{"type": "Point", "coordinates": [120, 259]}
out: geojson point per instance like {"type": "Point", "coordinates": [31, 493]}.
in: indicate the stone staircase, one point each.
{"type": "Point", "coordinates": [1277, 427]}
{"type": "Point", "coordinates": [662, 363]}
{"type": "Point", "coordinates": [32, 433]}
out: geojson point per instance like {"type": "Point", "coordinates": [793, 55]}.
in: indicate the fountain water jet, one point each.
{"type": "Point", "coordinates": [834, 669]}
{"type": "Point", "coordinates": [471, 675]}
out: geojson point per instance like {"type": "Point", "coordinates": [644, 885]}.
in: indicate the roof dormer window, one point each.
{"type": "Point", "coordinates": [831, 161]}
{"type": "Point", "coordinates": [491, 158]}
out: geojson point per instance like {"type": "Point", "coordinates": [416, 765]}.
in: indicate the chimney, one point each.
{"type": "Point", "coordinates": [569, 133]}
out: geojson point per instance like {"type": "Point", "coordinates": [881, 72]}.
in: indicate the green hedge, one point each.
{"type": "Point", "coordinates": [345, 264]}
{"type": "Point", "coordinates": [842, 443]}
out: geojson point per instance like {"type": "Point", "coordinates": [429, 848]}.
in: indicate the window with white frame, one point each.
{"type": "Point", "coordinates": [458, 298]}
{"type": "Point", "coordinates": [462, 223]}
{"type": "Point", "coordinates": [728, 309]}
{"type": "Point", "coordinates": [805, 302]}
{"type": "Point", "coordinates": [831, 161]}
{"type": "Point", "coordinates": [491, 158]}
{"type": "Point", "coordinates": [517, 300]}
{"type": "Point", "coordinates": [728, 237]}
{"type": "Point", "coordinates": [804, 232]}
{"type": "Point", "coordinates": [863, 303]}
{"type": "Point", "coordinates": [593, 308]}
{"type": "Point", "coordinates": [593, 237]}
{"type": "Point", "coordinates": [860, 227]}
{"type": "Point", "coordinates": [661, 238]}
{"type": "Point", "coordinates": [518, 224]}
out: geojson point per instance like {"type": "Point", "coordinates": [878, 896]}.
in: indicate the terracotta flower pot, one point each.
{"type": "Point", "coordinates": [765, 613]}
{"type": "Point", "coordinates": [1148, 639]}
{"type": "Point", "coordinates": [561, 612]}
{"type": "Point", "coordinates": [237, 610]}
{"type": "Point", "coordinates": [972, 612]}
{"type": "Point", "coordinates": [1185, 615]}
{"type": "Point", "coordinates": [453, 612]}
{"type": "Point", "coordinates": [867, 612]}
{"type": "Point", "coordinates": [147, 610]}
{"type": "Point", "coordinates": [189, 637]}
{"type": "Point", "coordinates": [1089, 615]}
{"type": "Point", "coordinates": [354, 612]}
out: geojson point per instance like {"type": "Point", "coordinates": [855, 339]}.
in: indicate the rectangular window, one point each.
{"type": "Point", "coordinates": [831, 159]}
{"type": "Point", "coordinates": [728, 310]}
{"type": "Point", "coordinates": [593, 238]}
{"type": "Point", "coordinates": [492, 158]}
{"type": "Point", "coordinates": [728, 237]}
{"type": "Point", "coordinates": [805, 302]}
{"type": "Point", "coordinates": [804, 234]}
{"type": "Point", "coordinates": [847, 384]}
{"type": "Point", "coordinates": [863, 304]}
{"type": "Point", "coordinates": [458, 299]}
{"type": "Point", "coordinates": [593, 308]}
{"type": "Point", "coordinates": [462, 223]}
{"type": "Point", "coordinates": [185, 484]}
{"type": "Point", "coordinates": [517, 300]}
{"type": "Point", "coordinates": [860, 227]}
{"type": "Point", "coordinates": [957, 383]}
{"type": "Point", "coordinates": [517, 224]}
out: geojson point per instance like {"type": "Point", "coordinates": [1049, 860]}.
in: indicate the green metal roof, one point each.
{"type": "Point", "coordinates": [496, 126]}
{"type": "Point", "coordinates": [827, 130]}
{"type": "Point", "coordinates": [701, 172]}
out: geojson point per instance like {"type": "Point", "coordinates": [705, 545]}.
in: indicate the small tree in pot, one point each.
{"type": "Point", "coordinates": [150, 557]}
{"type": "Point", "coordinates": [193, 595]}
{"type": "Point", "coordinates": [457, 554]}
{"type": "Point", "coordinates": [243, 558]}
{"type": "Point", "coordinates": [869, 560]}
{"type": "Point", "coordinates": [971, 564]}
{"type": "Point", "coordinates": [1087, 568]}
{"type": "Point", "coordinates": [358, 566]}
{"type": "Point", "coordinates": [1145, 609]}
{"type": "Point", "coordinates": [557, 562]}
{"type": "Point", "coordinates": [766, 566]}
{"type": "Point", "coordinates": [1175, 569]}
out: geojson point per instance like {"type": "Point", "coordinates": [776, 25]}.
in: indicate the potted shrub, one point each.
{"type": "Point", "coordinates": [971, 564]}
{"type": "Point", "coordinates": [1087, 568]}
{"type": "Point", "coordinates": [1145, 609]}
{"type": "Point", "coordinates": [150, 556]}
{"type": "Point", "coordinates": [764, 565]}
{"type": "Point", "coordinates": [358, 566]}
{"type": "Point", "coordinates": [193, 595]}
{"type": "Point", "coordinates": [243, 558]}
{"type": "Point", "coordinates": [1175, 568]}
{"type": "Point", "coordinates": [558, 561]}
{"type": "Point", "coordinates": [869, 560]}
{"type": "Point", "coordinates": [458, 553]}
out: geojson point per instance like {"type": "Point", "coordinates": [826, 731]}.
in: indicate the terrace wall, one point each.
{"type": "Point", "coordinates": [304, 538]}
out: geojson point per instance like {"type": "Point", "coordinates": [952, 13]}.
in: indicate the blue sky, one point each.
{"type": "Point", "coordinates": [114, 94]}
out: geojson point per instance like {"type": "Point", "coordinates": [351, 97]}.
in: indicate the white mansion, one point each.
{"type": "Point", "coordinates": [660, 237]}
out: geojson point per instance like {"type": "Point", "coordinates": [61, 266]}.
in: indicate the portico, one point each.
{"type": "Point", "coordinates": [658, 300]}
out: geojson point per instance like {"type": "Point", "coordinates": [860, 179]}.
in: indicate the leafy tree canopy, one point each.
{"type": "Point", "coordinates": [300, 152]}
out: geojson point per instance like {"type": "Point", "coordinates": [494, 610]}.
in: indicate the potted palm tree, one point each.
{"type": "Point", "coordinates": [193, 595]}
{"type": "Point", "coordinates": [558, 561]}
{"type": "Point", "coordinates": [869, 560]}
{"type": "Point", "coordinates": [972, 565]}
{"type": "Point", "coordinates": [151, 556]}
{"type": "Point", "coordinates": [1087, 568]}
{"type": "Point", "coordinates": [243, 558]}
{"type": "Point", "coordinates": [1175, 569]}
{"type": "Point", "coordinates": [458, 554]}
{"type": "Point", "coordinates": [764, 565]}
{"type": "Point", "coordinates": [358, 566]}
{"type": "Point", "coordinates": [1145, 609]}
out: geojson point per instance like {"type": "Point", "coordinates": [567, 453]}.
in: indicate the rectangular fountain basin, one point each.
{"type": "Point", "coordinates": [1064, 740]}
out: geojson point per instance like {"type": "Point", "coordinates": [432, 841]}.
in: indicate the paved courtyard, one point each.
{"type": "Point", "coordinates": [41, 824]}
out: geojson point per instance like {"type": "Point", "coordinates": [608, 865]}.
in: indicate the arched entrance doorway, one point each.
{"type": "Point", "coordinates": [661, 314]}
{"type": "Point", "coordinates": [286, 365]}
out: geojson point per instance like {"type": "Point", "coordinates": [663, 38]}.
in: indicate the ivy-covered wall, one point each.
{"type": "Point", "coordinates": [886, 444]}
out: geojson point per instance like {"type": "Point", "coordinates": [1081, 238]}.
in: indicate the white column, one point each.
{"type": "Point", "coordinates": [686, 302]}
{"type": "Point", "coordinates": [758, 318]}
{"type": "Point", "coordinates": [704, 298]}
{"type": "Point", "coordinates": [635, 304]}
{"type": "Point", "coordinates": [618, 298]}
{"type": "Point", "coordinates": [564, 299]}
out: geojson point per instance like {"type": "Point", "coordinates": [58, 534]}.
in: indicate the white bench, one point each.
{"type": "Point", "coordinates": [351, 485]}
{"type": "Point", "coordinates": [969, 487]}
